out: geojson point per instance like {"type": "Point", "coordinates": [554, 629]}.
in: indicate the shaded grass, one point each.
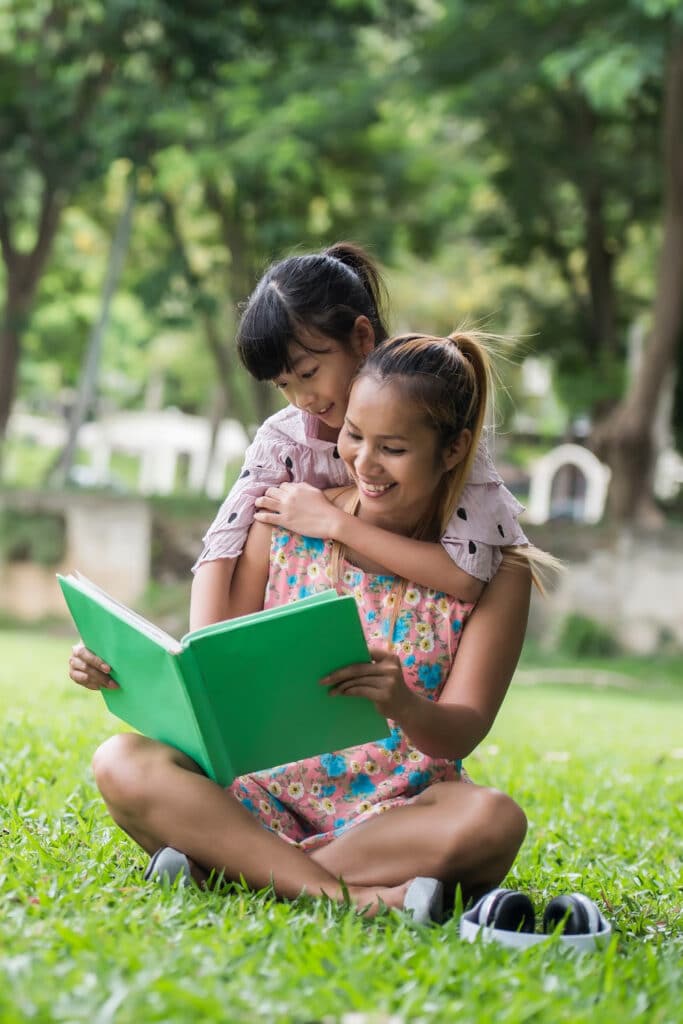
{"type": "Point", "coordinates": [83, 939]}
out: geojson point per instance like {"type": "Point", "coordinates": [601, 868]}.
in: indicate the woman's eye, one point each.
{"type": "Point", "coordinates": [394, 451]}
{"type": "Point", "coordinates": [354, 437]}
{"type": "Point", "coordinates": [309, 373]}
{"type": "Point", "coordinates": [280, 384]}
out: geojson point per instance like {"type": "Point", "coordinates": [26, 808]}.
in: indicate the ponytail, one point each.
{"type": "Point", "coordinates": [363, 266]}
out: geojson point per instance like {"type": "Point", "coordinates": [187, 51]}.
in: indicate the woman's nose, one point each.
{"type": "Point", "coordinates": [365, 459]}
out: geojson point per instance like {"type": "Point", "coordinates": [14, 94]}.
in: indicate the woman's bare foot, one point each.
{"type": "Point", "coordinates": [369, 899]}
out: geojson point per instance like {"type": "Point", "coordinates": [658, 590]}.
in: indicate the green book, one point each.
{"type": "Point", "coordinates": [236, 696]}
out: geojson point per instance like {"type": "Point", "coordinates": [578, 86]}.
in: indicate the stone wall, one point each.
{"type": "Point", "coordinates": [631, 581]}
{"type": "Point", "coordinates": [107, 540]}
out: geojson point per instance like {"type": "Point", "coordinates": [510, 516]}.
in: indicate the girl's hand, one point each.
{"type": "Point", "coordinates": [86, 669]}
{"type": "Point", "coordinates": [381, 681]}
{"type": "Point", "coordinates": [298, 507]}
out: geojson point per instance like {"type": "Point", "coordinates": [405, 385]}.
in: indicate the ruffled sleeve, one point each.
{"type": "Point", "coordinates": [266, 464]}
{"type": "Point", "coordinates": [485, 520]}
{"type": "Point", "coordinates": [280, 452]}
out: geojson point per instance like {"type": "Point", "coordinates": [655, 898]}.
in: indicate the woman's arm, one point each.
{"type": "Point", "coordinates": [306, 510]}
{"type": "Point", "coordinates": [479, 679]}
{"type": "Point", "coordinates": [210, 599]}
{"type": "Point", "coordinates": [482, 670]}
{"type": "Point", "coordinates": [251, 573]}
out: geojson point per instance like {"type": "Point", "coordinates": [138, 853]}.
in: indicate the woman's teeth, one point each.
{"type": "Point", "coordinates": [375, 488]}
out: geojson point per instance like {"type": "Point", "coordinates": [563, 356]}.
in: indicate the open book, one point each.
{"type": "Point", "coordinates": [236, 696]}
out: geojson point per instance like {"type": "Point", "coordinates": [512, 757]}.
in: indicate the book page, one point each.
{"type": "Point", "coordinates": [123, 612]}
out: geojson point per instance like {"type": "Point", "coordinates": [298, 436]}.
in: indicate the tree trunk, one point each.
{"type": "Point", "coordinates": [23, 271]}
{"type": "Point", "coordinates": [242, 279]}
{"type": "Point", "coordinates": [624, 440]}
{"type": "Point", "coordinates": [87, 390]}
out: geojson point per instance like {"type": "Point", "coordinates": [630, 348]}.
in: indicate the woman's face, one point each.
{"type": "Point", "coordinates": [392, 453]}
{"type": "Point", "coordinates": [322, 371]}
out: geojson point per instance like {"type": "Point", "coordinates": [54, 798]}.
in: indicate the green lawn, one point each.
{"type": "Point", "coordinates": [84, 939]}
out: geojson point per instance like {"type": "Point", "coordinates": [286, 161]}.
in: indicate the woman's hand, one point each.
{"type": "Point", "coordinates": [381, 681]}
{"type": "Point", "coordinates": [300, 508]}
{"type": "Point", "coordinates": [86, 669]}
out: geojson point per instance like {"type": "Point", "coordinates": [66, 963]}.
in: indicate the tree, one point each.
{"type": "Point", "coordinates": [625, 438]}
{"type": "Point", "coordinates": [569, 98]}
{"type": "Point", "coordinates": [78, 82]}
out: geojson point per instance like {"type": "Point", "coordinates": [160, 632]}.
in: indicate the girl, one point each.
{"type": "Point", "coordinates": [373, 817]}
{"type": "Point", "coordinates": [307, 327]}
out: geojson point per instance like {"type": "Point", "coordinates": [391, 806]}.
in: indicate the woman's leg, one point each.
{"type": "Point", "coordinates": [159, 797]}
{"type": "Point", "coordinates": [455, 831]}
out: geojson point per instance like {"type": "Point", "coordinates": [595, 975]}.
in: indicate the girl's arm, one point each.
{"type": "Point", "coordinates": [306, 510]}
{"type": "Point", "coordinates": [479, 679]}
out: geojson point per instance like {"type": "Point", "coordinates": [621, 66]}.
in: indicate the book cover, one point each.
{"type": "Point", "coordinates": [236, 696]}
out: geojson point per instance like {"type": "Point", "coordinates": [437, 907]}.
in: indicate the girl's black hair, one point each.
{"type": "Point", "coordinates": [321, 292]}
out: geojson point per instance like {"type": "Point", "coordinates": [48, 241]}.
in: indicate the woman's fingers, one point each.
{"type": "Point", "coordinates": [90, 671]}
{"type": "Point", "coordinates": [91, 659]}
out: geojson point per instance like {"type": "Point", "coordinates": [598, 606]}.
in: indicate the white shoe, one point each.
{"type": "Point", "coordinates": [166, 865]}
{"type": "Point", "coordinates": [424, 899]}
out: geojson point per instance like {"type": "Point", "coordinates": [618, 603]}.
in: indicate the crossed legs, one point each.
{"type": "Point", "coordinates": [454, 831]}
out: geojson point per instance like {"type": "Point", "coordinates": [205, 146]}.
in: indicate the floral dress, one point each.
{"type": "Point", "coordinates": [313, 801]}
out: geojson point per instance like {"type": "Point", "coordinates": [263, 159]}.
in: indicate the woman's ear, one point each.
{"type": "Point", "coordinates": [457, 450]}
{"type": "Point", "coordinates": [362, 337]}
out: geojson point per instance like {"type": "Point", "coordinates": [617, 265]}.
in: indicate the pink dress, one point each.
{"type": "Point", "coordinates": [287, 448]}
{"type": "Point", "coordinates": [313, 801]}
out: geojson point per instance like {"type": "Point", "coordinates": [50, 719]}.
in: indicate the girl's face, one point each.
{"type": "Point", "coordinates": [322, 373]}
{"type": "Point", "coordinates": [393, 455]}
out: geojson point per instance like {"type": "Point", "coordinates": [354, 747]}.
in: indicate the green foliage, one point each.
{"type": "Point", "coordinates": [568, 101]}
{"type": "Point", "coordinates": [32, 536]}
{"type": "Point", "coordinates": [602, 814]}
{"type": "Point", "coordinates": [581, 637]}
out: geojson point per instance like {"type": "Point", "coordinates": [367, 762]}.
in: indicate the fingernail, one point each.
{"type": "Point", "coordinates": [105, 668]}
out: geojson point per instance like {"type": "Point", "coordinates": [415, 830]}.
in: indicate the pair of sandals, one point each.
{"type": "Point", "coordinates": [424, 897]}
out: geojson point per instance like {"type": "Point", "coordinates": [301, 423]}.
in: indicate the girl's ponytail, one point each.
{"type": "Point", "coordinates": [363, 266]}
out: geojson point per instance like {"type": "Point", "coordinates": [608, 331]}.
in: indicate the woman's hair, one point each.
{"type": "Point", "coordinates": [321, 292]}
{"type": "Point", "coordinates": [450, 382]}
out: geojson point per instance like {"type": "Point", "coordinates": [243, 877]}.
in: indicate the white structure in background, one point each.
{"type": "Point", "coordinates": [668, 475]}
{"type": "Point", "coordinates": [568, 481]}
{"type": "Point", "coordinates": [160, 440]}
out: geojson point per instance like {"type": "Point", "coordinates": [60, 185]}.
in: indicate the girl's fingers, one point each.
{"type": "Point", "coordinates": [272, 518]}
{"type": "Point", "coordinates": [267, 503]}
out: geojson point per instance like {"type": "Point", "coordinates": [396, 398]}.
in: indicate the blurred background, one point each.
{"type": "Point", "coordinates": [517, 167]}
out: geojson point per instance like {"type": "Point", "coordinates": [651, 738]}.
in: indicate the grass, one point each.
{"type": "Point", "coordinates": [83, 938]}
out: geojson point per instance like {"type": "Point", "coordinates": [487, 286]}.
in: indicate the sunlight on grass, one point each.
{"type": "Point", "coordinates": [84, 939]}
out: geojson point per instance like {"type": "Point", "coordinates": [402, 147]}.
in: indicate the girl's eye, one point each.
{"type": "Point", "coordinates": [309, 373]}
{"type": "Point", "coordinates": [354, 437]}
{"type": "Point", "coordinates": [280, 385]}
{"type": "Point", "coordinates": [394, 451]}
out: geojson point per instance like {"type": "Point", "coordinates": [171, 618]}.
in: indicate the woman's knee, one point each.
{"type": "Point", "coordinates": [122, 769]}
{"type": "Point", "coordinates": [506, 821]}
{"type": "Point", "coordinates": [488, 820]}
